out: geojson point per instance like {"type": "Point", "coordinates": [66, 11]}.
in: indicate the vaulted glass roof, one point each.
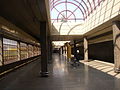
{"type": "Point", "coordinates": [72, 10]}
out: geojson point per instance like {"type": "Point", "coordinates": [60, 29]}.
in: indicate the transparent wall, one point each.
{"type": "Point", "coordinates": [23, 51]}
{"type": "Point", "coordinates": [38, 51]}
{"type": "Point", "coordinates": [35, 51]}
{"type": "Point", "coordinates": [30, 50]}
{"type": "Point", "coordinates": [10, 53]}
{"type": "Point", "coordinates": [14, 51]}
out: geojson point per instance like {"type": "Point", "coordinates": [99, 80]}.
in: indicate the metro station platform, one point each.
{"type": "Point", "coordinates": [63, 76]}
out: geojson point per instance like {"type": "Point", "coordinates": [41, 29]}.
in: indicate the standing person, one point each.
{"type": "Point", "coordinates": [68, 52]}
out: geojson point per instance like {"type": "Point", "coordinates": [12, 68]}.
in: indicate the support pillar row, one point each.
{"type": "Point", "coordinates": [85, 49]}
{"type": "Point", "coordinates": [44, 49]}
{"type": "Point", "coordinates": [49, 50]}
{"type": "Point", "coordinates": [116, 42]}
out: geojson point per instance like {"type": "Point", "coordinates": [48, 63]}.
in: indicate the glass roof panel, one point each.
{"type": "Point", "coordinates": [66, 8]}
{"type": "Point", "coordinates": [65, 14]}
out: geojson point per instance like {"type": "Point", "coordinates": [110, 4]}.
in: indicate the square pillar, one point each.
{"type": "Point", "coordinates": [49, 57]}
{"type": "Point", "coordinates": [85, 49]}
{"type": "Point", "coordinates": [116, 42]}
{"type": "Point", "coordinates": [68, 52]}
{"type": "Point", "coordinates": [49, 50]}
{"type": "Point", "coordinates": [44, 49]}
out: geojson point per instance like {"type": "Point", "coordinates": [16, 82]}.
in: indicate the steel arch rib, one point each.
{"type": "Point", "coordinates": [68, 19]}
{"type": "Point", "coordinates": [90, 5]}
{"type": "Point", "coordinates": [58, 11]}
{"type": "Point", "coordinates": [64, 11]}
{"type": "Point", "coordinates": [98, 2]}
{"type": "Point", "coordinates": [72, 29]}
{"type": "Point", "coordinates": [86, 6]}
{"type": "Point", "coordinates": [75, 1]}
{"type": "Point", "coordinates": [66, 8]}
{"type": "Point", "coordinates": [73, 4]}
{"type": "Point", "coordinates": [94, 4]}
{"type": "Point", "coordinates": [52, 2]}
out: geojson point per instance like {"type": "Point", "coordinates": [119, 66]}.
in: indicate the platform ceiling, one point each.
{"type": "Point", "coordinates": [25, 14]}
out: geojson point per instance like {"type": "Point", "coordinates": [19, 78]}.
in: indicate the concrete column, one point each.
{"type": "Point", "coordinates": [44, 49]}
{"type": "Point", "coordinates": [85, 49]}
{"type": "Point", "coordinates": [68, 52]}
{"type": "Point", "coordinates": [18, 48]}
{"type": "Point", "coordinates": [1, 52]}
{"type": "Point", "coordinates": [49, 50]}
{"type": "Point", "coordinates": [116, 42]}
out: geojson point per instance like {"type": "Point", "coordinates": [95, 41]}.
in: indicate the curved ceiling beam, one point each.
{"type": "Point", "coordinates": [66, 18]}
{"type": "Point", "coordinates": [72, 29]}
{"type": "Point", "coordinates": [70, 3]}
{"type": "Point", "coordinates": [61, 26]}
{"type": "Point", "coordinates": [94, 4]}
{"type": "Point", "coordinates": [73, 0]}
{"type": "Point", "coordinates": [98, 2]}
{"type": "Point", "coordinates": [86, 6]}
{"type": "Point", "coordinates": [58, 11]}
{"type": "Point", "coordinates": [90, 6]}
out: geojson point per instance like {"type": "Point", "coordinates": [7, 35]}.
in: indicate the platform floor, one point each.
{"type": "Point", "coordinates": [62, 77]}
{"type": "Point", "coordinates": [105, 67]}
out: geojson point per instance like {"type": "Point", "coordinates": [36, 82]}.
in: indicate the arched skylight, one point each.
{"type": "Point", "coordinates": [72, 10]}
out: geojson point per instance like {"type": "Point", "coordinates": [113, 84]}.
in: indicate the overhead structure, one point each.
{"type": "Point", "coordinates": [72, 10]}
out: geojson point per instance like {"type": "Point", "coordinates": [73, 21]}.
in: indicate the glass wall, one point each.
{"type": "Point", "coordinates": [36, 50]}
{"type": "Point", "coordinates": [10, 53]}
{"type": "Point", "coordinates": [30, 49]}
{"type": "Point", "coordinates": [23, 51]}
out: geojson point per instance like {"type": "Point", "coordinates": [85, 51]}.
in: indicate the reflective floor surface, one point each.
{"type": "Point", "coordinates": [62, 76]}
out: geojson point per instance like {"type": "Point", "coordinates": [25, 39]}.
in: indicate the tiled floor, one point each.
{"type": "Point", "coordinates": [62, 77]}
{"type": "Point", "coordinates": [106, 67]}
